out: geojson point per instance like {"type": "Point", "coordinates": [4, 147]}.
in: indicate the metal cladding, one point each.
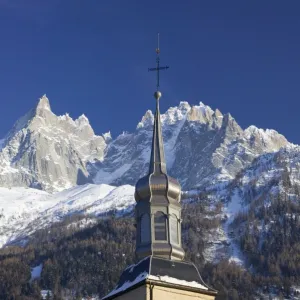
{"type": "Point", "coordinates": [157, 161]}
{"type": "Point", "coordinates": [158, 208]}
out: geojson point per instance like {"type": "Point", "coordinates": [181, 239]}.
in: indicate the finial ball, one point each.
{"type": "Point", "coordinates": [157, 95]}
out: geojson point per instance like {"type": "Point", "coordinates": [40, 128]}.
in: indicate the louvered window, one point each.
{"type": "Point", "coordinates": [160, 226]}
{"type": "Point", "coordinates": [145, 228]}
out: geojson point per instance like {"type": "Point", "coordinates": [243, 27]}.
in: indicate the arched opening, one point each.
{"type": "Point", "coordinates": [145, 229]}
{"type": "Point", "coordinates": [174, 234]}
{"type": "Point", "coordinates": [160, 226]}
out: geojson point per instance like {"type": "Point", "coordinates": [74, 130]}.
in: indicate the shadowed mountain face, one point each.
{"type": "Point", "coordinates": [202, 146]}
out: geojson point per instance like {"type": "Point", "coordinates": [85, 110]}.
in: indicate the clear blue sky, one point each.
{"type": "Point", "coordinates": [92, 57]}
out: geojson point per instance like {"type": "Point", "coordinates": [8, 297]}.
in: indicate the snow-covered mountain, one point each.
{"type": "Point", "coordinates": [202, 146]}
{"type": "Point", "coordinates": [53, 153]}
{"type": "Point", "coordinates": [48, 152]}
{"type": "Point", "coordinates": [53, 167]}
{"type": "Point", "coordinates": [59, 158]}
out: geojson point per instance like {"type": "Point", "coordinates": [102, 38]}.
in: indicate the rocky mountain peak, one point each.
{"type": "Point", "coordinates": [230, 125]}
{"type": "Point", "coordinates": [107, 136]}
{"type": "Point", "coordinates": [200, 113]}
{"type": "Point", "coordinates": [253, 130]}
{"type": "Point", "coordinates": [43, 103]}
{"type": "Point", "coordinates": [218, 114]}
{"type": "Point", "coordinates": [258, 136]}
{"type": "Point", "coordinates": [184, 106]}
{"type": "Point", "coordinates": [41, 114]}
{"type": "Point", "coordinates": [47, 151]}
{"type": "Point", "coordinates": [55, 152]}
{"type": "Point", "coordinates": [147, 120]}
{"type": "Point", "coordinates": [82, 120]}
{"type": "Point", "coordinates": [205, 109]}
{"type": "Point", "coordinates": [176, 113]}
{"type": "Point", "coordinates": [42, 109]}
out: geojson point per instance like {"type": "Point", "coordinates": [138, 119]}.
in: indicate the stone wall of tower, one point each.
{"type": "Point", "coordinates": [167, 293]}
{"type": "Point", "coordinates": [157, 292]}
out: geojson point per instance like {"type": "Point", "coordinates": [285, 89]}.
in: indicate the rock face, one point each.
{"type": "Point", "coordinates": [202, 146]}
{"type": "Point", "coordinates": [47, 151]}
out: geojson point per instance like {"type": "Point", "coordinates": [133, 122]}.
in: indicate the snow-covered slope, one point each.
{"type": "Point", "coordinates": [25, 210]}
{"type": "Point", "coordinates": [19, 206]}
{"type": "Point", "coordinates": [256, 187]}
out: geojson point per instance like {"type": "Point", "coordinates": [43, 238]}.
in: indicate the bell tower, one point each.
{"type": "Point", "coordinates": [161, 272]}
{"type": "Point", "coordinates": [158, 208]}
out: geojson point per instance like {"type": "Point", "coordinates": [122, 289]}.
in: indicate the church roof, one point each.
{"type": "Point", "coordinates": [159, 270]}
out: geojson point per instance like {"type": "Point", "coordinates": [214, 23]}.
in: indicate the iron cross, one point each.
{"type": "Point", "coordinates": [157, 68]}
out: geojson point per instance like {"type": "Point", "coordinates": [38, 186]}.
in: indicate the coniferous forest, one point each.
{"type": "Point", "coordinates": [82, 262]}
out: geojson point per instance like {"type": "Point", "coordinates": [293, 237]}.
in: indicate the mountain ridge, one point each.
{"type": "Point", "coordinates": [233, 176]}
{"type": "Point", "coordinates": [235, 184]}
{"type": "Point", "coordinates": [52, 153]}
{"type": "Point", "coordinates": [205, 150]}
{"type": "Point", "coordinates": [197, 126]}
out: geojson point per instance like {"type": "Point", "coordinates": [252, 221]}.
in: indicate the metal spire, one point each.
{"type": "Point", "coordinates": [158, 208]}
{"type": "Point", "coordinates": [157, 161]}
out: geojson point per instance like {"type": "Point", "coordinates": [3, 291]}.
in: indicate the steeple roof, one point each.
{"type": "Point", "coordinates": [157, 182]}
{"type": "Point", "coordinates": [157, 160]}
{"type": "Point", "coordinates": [158, 208]}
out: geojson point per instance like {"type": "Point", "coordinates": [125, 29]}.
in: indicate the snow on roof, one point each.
{"type": "Point", "coordinates": [178, 281]}
{"type": "Point", "coordinates": [145, 275]}
{"type": "Point", "coordinates": [127, 285]}
{"type": "Point", "coordinates": [159, 270]}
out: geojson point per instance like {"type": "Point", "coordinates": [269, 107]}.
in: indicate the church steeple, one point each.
{"type": "Point", "coordinates": [161, 272]}
{"type": "Point", "coordinates": [157, 161]}
{"type": "Point", "coordinates": [158, 208]}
